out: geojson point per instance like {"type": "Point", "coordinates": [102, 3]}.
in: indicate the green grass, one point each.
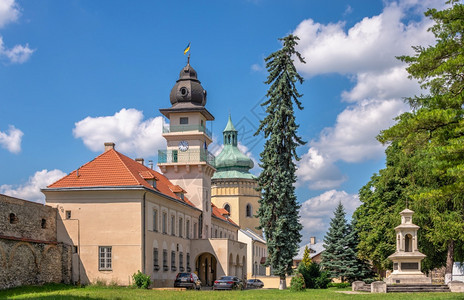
{"type": "Point", "coordinates": [61, 291]}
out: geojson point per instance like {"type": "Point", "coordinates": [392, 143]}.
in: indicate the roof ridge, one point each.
{"type": "Point", "coordinates": [125, 165]}
{"type": "Point", "coordinates": [70, 173]}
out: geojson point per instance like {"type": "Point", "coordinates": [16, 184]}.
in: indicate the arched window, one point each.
{"type": "Point", "coordinates": [227, 207]}
{"type": "Point", "coordinates": [408, 243]}
{"type": "Point", "coordinates": [249, 210]}
{"type": "Point", "coordinates": [13, 218]}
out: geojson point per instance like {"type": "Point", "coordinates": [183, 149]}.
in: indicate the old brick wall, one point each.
{"type": "Point", "coordinates": [29, 253]}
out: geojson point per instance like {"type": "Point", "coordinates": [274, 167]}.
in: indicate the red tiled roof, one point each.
{"type": "Point", "coordinates": [113, 169]}
{"type": "Point", "coordinates": [216, 212]}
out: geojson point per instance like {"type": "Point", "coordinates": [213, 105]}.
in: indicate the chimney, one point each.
{"type": "Point", "coordinates": [109, 146]}
{"type": "Point", "coordinates": [139, 160]}
{"type": "Point", "coordinates": [150, 164]}
{"type": "Point", "coordinates": [312, 240]}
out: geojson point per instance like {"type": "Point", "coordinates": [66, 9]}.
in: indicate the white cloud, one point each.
{"type": "Point", "coordinates": [126, 128]}
{"type": "Point", "coordinates": [9, 12]}
{"type": "Point", "coordinates": [391, 83]}
{"type": "Point", "coordinates": [366, 54]}
{"type": "Point", "coordinates": [315, 213]}
{"type": "Point", "coordinates": [31, 189]}
{"type": "Point", "coordinates": [370, 45]}
{"type": "Point", "coordinates": [11, 139]}
{"type": "Point", "coordinates": [18, 54]}
{"type": "Point", "coordinates": [353, 137]}
{"type": "Point", "coordinates": [319, 171]}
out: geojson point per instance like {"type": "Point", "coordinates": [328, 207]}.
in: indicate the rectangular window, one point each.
{"type": "Point", "coordinates": [68, 214]}
{"type": "Point", "coordinates": [181, 262]}
{"type": "Point", "coordinates": [188, 262]}
{"type": "Point", "coordinates": [165, 260]}
{"type": "Point", "coordinates": [195, 230]}
{"type": "Point", "coordinates": [187, 229]}
{"type": "Point", "coordinates": [173, 225]}
{"type": "Point", "coordinates": [173, 261]}
{"type": "Point", "coordinates": [155, 259]}
{"type": "Point", "coordinates": [155, 220]}
{"type": "Point", "coordinates": [184, 121]}
{"type": "Point", "coordinates": [165, 220]}
{"type": "Point", "coordinates": [180, 227]}
{"type": "Point", "coordinates": [104, 257]}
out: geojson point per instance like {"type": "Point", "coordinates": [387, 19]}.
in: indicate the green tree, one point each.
{"type": "Point", "coordinates": [338, 258]}
{"type": "Point", "coordinates": [383, 198]}
{"type": "Point", "coordinates": [434, 130]}
{"type": "Point", "coordinates": [306, 261]}
{"type": "Point", "coordinates": [358, 269]}
{"type": "Point", "coordinates": [278, 212]}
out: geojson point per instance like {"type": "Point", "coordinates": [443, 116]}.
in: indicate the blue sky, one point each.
{"type": "Point", "coordinates": [75, 74]}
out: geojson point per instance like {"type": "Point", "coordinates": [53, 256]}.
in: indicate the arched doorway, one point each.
{"type": "Point", "coordinates": [206, 267]}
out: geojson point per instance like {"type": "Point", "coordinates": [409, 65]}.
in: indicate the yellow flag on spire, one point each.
{"type": "Point", "coordinates": [187, 49]}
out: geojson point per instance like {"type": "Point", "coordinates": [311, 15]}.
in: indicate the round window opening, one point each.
{"type": "Point", "coordinates": [183, 91]}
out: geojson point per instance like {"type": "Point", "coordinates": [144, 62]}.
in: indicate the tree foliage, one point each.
{"type": "Point", "coordinates": [278, 212]}
{"type": "Point", "coordinates": [339, 257]}
{"type": "Point", "coordinates": [425, 157]}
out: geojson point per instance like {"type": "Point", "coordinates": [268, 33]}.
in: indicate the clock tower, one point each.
{"type": "Point", "coordinates": [186, 161]}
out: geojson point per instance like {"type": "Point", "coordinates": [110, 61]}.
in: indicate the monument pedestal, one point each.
{"type": "Point", "coordinates": [407, 258]}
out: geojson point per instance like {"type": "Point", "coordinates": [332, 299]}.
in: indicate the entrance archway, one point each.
{"type": "Point", "coordinates": [206, 267]}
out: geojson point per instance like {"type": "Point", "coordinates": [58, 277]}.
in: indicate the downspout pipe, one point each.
{"type": "Point", "coordinates": [143, 233]}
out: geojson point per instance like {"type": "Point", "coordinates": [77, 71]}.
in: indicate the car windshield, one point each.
{"type": "Point", "coordinates": [183, 275]}
{"type": "Point", "coordinates": [226, 278]}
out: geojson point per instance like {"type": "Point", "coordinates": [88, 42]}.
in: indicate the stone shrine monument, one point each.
{"type": "Point", "coordinates": [407, 258]}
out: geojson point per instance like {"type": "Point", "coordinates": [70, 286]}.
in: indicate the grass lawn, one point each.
{"type": "Point", "coordinates": [61, 291]}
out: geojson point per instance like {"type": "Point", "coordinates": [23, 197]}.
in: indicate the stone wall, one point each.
{"type": "Point", "coordinates": [29, 252]}
{"type": "Point", "coordinates": [26, 263]}
{"type": "Point", "coordinates": [28, 220]}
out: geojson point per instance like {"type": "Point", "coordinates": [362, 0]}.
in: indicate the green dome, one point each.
{"type": "Point", "coordinates": [231, 163]}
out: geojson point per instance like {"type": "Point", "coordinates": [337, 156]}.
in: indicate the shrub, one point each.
{"type": "Point", "coordinates": [141, 280]}
{"type": "Point", "coordinates": [298, 283]}
{"type": "Point", "coordinates": [323, 280]}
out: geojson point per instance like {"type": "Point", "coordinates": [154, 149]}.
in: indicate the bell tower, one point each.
{"type": "Point", "coordinates": [186, 161]}
{"type": "Point", "coordinates": [233, 186]}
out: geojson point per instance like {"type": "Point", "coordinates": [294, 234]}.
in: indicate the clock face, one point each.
{"type": "Point", "coordinates": [183, 145]}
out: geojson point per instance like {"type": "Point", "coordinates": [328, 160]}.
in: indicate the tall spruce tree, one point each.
{"type": "Point", "coordinates": [279, 210]}
{"type": "Point", "coordinates": [338, 257]}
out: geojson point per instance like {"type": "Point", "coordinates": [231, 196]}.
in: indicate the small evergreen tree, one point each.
{"type": "Point", "coordinates": [304, 267]}
{"type": "Point", "coordinates": [278, 212]}
{"type": "Point", "coordinates": [358, 269]}
{"type": "Point", "coordinates": [338, 258]}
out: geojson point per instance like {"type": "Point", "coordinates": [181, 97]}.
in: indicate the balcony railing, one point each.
{"type": "Point", "coordinates": [189, 156]}
{"type": "Point", "coordinates": [183, 128]}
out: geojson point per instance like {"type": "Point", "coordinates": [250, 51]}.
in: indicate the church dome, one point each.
{"type": "Point", "coordinates": [188, 88]}
{"type": "Point", "coordinates": [231, 162]}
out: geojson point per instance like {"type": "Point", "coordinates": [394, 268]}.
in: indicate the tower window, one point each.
{"type": "Point", "coordinates": [249, 210]}
{"type": "Point", "coordinates": [184, 121]}
{"type": "Point", "coordinates": [183, 91]}
{"type": "Point", "coordinates": [44, 223]}
{"type": "Point", "coordinates": [227, 207]}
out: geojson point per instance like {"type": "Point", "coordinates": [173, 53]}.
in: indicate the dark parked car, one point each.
{"type": "Point", "coordinates": [228, 283]}
{"type": "Point", "coordinates": [187, 280]}
{"type": "Point", "coordinates": [254, 283]}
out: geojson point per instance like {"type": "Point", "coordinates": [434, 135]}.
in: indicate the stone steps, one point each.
{"type": "Point", "coordinates": [417, 288]}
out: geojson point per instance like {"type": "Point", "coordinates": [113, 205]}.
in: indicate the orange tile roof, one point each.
{"type": "Point", "coordinates": [216, 212]}
{"type": "Point", "coordinates": [113, 169]}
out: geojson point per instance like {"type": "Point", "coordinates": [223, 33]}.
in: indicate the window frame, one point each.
{"type": "Point", "coordinates": [106, 256]}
